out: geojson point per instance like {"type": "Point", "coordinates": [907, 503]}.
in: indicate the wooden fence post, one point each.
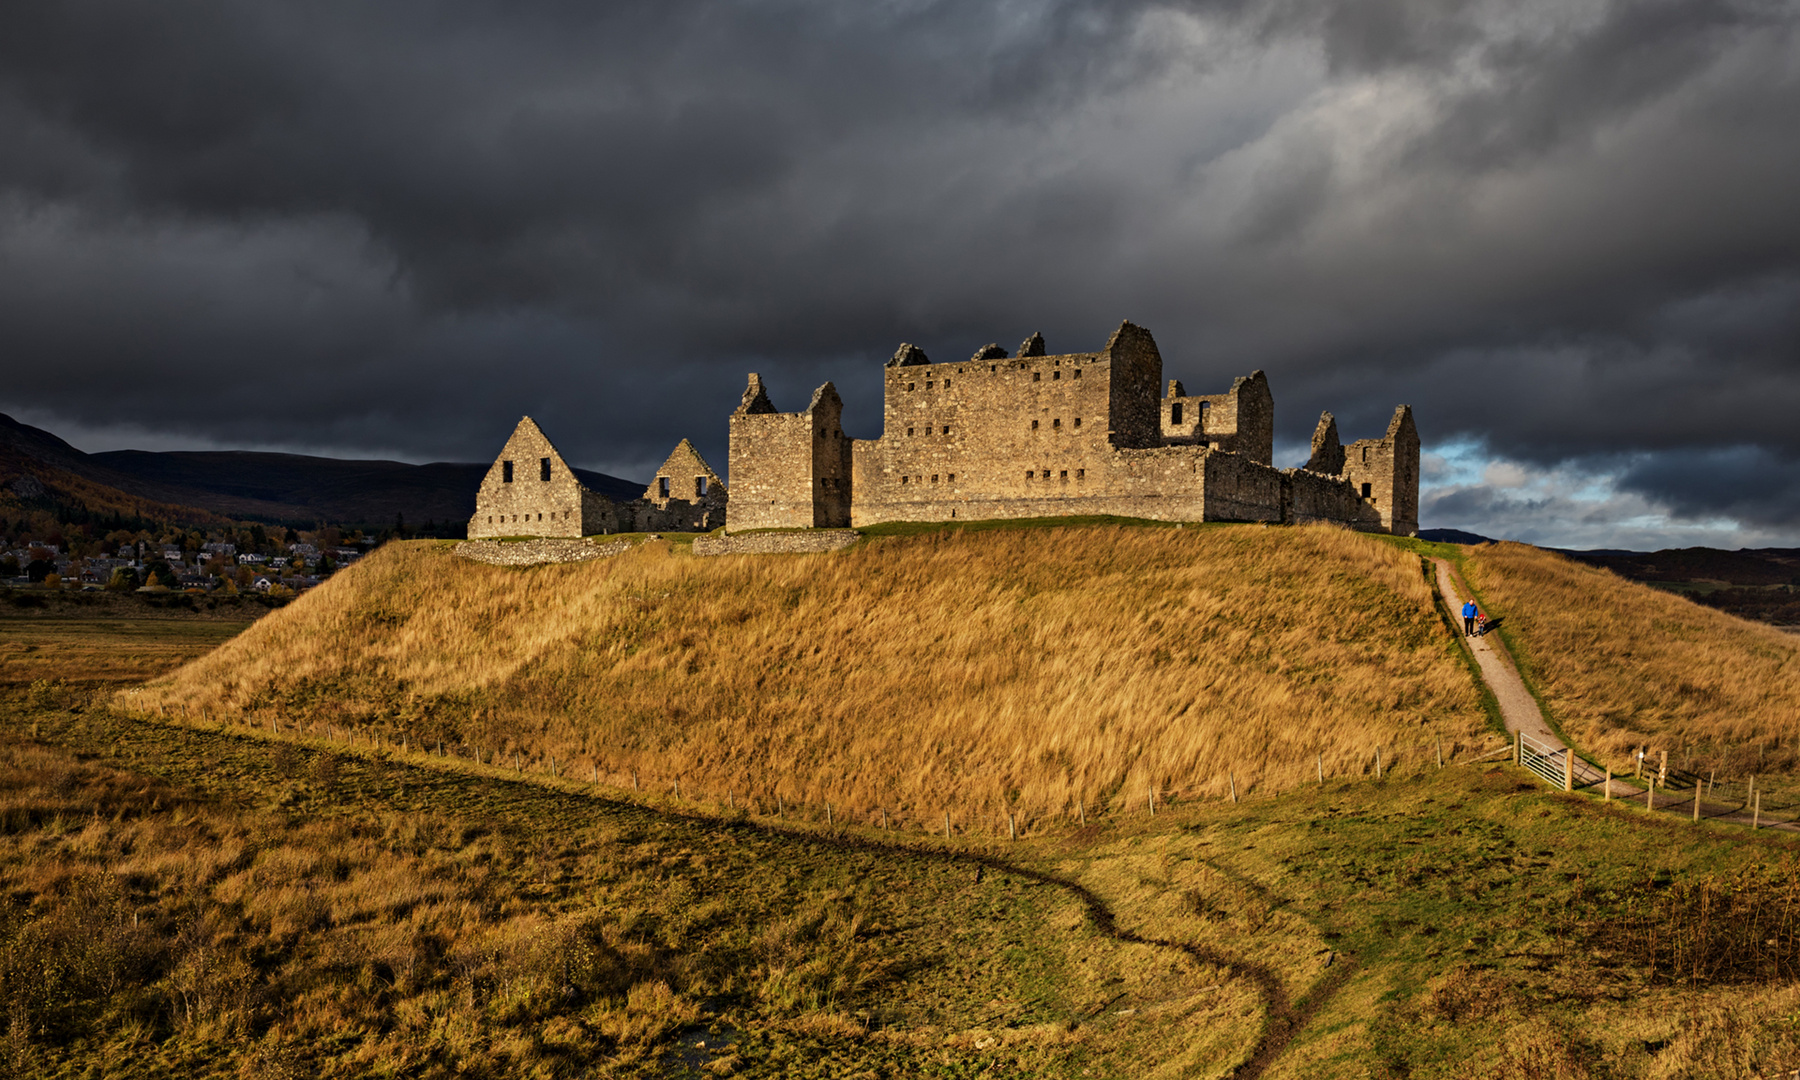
{"type": "Point", "coordinates": [1440, 753]}
{"type": "Point", "coordinates": [1662, 773]}
{"type": "Point", "coordinates": [1081, 813]}
{"type": "Point", "coordinates": [1569, 769]}
{"type": "Point", "coordinates": [730, 800]}
{"type": "Point", "coordinates": [884, 823]}
{"type": "Point", "coordinates": [1233, 778]}
{"type": "Point", "coordinates": [1696, 802]}
{"type": "Point", "coordinates": [1519, 747]}
{"type": "Point", "coordinates": [1608, 796]}
{"type": "Point", "coordinates": [830, 822]}
{"type": "Point", "coordinates": [1756, 815]}
{"type": "Point", "coordinates": [1150, 800]}
{"type": "Point", "coordinates": [1650, 793]}
{"type": "Point", "coordinates": [1320, 762]}
{"type": "Point", "coordinates": [1378, 763]}
{"type": "Point", "coordinates": [1012, 828]}
{"type": "Point", "coordinates": [634, 780]}
{"type": "Point", "coordinates": [946, 824]}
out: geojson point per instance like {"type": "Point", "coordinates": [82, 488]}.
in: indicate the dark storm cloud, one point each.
{"type": "Point", "coordinates": [1566, 230]}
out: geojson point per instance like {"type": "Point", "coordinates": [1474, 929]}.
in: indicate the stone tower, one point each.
{"type": "Point", "coordinates": [788, 470]}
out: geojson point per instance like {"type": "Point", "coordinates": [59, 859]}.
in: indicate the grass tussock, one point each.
{"type": "Point", "coordinates": [1622, 665]}
{"type": "Point", "coordinates": [1006, 670]}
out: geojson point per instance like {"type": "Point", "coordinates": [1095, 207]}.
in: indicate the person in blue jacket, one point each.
{"type": "Point", "coordinates": [1469, 613]}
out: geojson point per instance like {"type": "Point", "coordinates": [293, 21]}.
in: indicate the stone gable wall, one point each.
{"type": "Point", "coordinates": [543, 497]}
{"type": "Point", "coordinates": [684, 496]}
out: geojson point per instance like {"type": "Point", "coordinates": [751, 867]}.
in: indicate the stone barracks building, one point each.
{"type": "Point", "coordinates": [1038, 435]}
{"type": "Point", "coordinates": [531, 491]}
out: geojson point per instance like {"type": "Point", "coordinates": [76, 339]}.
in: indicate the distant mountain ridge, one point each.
{"type": "Point", "coordinates": [296, 489]}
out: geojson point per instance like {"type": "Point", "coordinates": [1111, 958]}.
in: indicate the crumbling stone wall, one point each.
{"type": "Point", "coordinates": [685, 496]}
{"type": "Point", "coordinates": [1240, 421]}
{"type": "Point", "coordinates": [776, 543]}
{"type": "Point", "coordinates": [1385, 473]}
{"type": "Point", "coordinates": [539, 552]}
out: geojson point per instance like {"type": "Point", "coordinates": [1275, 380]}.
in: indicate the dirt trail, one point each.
{"type": "Point", "coordinates": [1517, 707]}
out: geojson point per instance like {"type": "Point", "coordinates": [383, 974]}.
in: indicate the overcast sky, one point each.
{"type": "Point", "coordinates": [1567, 233]}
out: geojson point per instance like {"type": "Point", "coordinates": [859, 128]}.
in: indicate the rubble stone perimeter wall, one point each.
{"type": "Point", "coordinates": [538, 552]}
{"type": "Point", "coordinates": [776, 543]}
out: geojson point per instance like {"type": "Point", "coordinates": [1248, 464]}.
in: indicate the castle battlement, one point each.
{"type": "Point", "coordinates": [1043, 435]}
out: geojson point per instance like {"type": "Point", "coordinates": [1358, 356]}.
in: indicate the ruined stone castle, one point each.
{"type": "Point", "coordinates": [1037, 435]}
{"type": "Point", "coordinates": [532, 491]}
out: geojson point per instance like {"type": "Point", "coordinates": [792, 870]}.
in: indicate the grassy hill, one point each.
{"type": "Point", "coordinates": [1622, 665]}
{"type": "Point", "coordinates": [976, 672]}
{"type": "Point", "coordinates": [191, 899]}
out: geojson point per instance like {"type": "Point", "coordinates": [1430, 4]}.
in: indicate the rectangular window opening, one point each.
{"type": "Point", "coordinates": [912, 386]}
{"type": "Point", "coordinates": [1078, 373]}
{"type": "Point", "coordinates": [1034, 425]}
{"type": "Point", "coordinates": [946, 384]}
{"type": "Point", "coordinates": [927, 385]}
{"type": "Point", "coordinates": [1080, 473]}
{"type": "Point", "coordinates": [1175, 413]}
{"type": "Point", "coordinates": [1366, 491]}
{"type": "Point", "coordinates": [506, 472]}
{"type": "Point", "coordinates": [934, 477]}
{"type": "Point", "coordinates": [1078, 421]}
{"type": "Point", "coordinates": [993, 367]}
{"type": "Point", "coordinates": [951, 479]}
{"type": "Point", "coordinates": [544, 469]}
{"type": "Point", "coordinates": [1046, 474]}
{"type": "Point", "coordinates": [909, 432]}
{"type": "Point", "coordinates": [1056, 423]}
{"type": "Point", "coordinates": [904, 479]}
{"type": "Point", "coordinates": [1036, 376]}
{"type": "Point", "coordinates": [699, 486]}
{"type": "Point", "coordinates": [1064, 475]}
{"type": "Point", "coordinates": [1029, 474]}
{"type": "Point", "coordinates": [1055, 375]}
{"type": "Point", "coordinates": [662, 487]}
{"type": "Point", "coordinates": [946, 429]}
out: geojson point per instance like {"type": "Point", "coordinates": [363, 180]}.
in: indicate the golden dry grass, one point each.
{"type": "Point", "coordinates": [1623, 665]}
{"type": "Point", "coordinates": [1022, 670]}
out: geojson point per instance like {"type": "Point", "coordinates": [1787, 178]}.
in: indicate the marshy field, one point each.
{"type": "Point", "coordinates": [234, 849]}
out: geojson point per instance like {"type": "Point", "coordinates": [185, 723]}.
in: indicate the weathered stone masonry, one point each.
{"type": "Point", "coordinates": [1049, 435]}
{"type": "Point", "coordinates": [531, 491]}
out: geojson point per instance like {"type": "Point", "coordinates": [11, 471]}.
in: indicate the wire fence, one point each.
{"type": "Point", "coordinates": [1738, 800]}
